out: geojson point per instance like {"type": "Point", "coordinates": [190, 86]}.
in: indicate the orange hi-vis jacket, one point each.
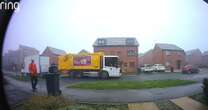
{"type": "Point", "coordinates": [33, 69]}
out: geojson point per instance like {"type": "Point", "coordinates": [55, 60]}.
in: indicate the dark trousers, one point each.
{"type": "Point", "coordinates": [34, 81]}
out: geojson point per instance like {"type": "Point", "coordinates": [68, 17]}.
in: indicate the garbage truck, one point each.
{"type": "Point", "coordinates": [78, 65]}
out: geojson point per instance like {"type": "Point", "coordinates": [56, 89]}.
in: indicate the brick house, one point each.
{"type": "Point", "coordinates": [125, 48]}
{"type": "Point", "coordinates": [146, 58]}
{"type": "Point", "coordinates": [205, 59]}
{"type": "Point", "coordinates": [53, 54]}
{"type": "Point", "coordinates": [194, 57]}
{"type": "Point", "coordinates": [15, 58]}
{"type": "Point", "coordinates": [169, 55]}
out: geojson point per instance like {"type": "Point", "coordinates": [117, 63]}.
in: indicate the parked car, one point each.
{"type": "Point", "coordinates": [147, 68]}
{"type": "Point", "coordinates": [159, 68]}
{"type": "Point", "coordinates": [190, 69]}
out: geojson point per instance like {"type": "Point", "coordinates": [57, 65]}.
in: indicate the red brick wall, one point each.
{"type": "Point", "coordinates": [205, 60]}
{"type": "Point", "coordinates": [172, 58]}
{"type": "Point", "coordinates": [122, 52]}
{"type": "Point", "coordinates": [158, 56]}
{"type": "Point", "coordinates": [147, 58]}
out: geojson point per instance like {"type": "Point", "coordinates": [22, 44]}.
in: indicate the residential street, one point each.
{"type": "Point", "coordinates": [116, 96]}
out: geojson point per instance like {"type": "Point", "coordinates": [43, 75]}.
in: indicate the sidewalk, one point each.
{"type": "Point", "coordinates": [184, 103]}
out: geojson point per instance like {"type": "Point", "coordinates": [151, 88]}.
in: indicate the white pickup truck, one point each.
{"type": "Point", "coordinates": [158, 68]}
{"type": "Point", "coordinates": [147, 68]}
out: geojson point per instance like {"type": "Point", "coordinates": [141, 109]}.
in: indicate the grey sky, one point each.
{"type": "Point", "coordinates": [73, 25]}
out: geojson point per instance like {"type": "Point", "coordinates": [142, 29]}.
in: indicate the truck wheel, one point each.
{"type": "Point", "coordinates": [104, 75]}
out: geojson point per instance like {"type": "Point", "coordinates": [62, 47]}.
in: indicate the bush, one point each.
{"type": "Point", "coordinates": [45, 103]}
{"type": "Point", "coordinates": [205, 87]}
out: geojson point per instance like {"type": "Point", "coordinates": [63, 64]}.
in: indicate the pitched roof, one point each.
{"type": "Point", "coordinates": [116, 41]}
{"type": "Point", "coordinates": [27, 47]}
{"type": "Point", "coordinates": [56, 51]}
{"type": "Point", "coordinates": [83, 51]}
{"type": "Point", "coordinates": [190, 52]}
{"type": "Point", "coordinates": [172, 47]}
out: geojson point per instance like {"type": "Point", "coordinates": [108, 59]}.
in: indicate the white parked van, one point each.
{"type": "Point", "coordinates": [42, 63]}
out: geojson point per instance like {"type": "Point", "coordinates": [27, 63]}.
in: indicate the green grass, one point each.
{"type": "Point", "coordinates": [167, 105]}
{"type": "Point", "coordinates": [101, 85]}
{"type": "Point", "coordinates": [201, 98]}
{"type": "Point", "coordinates": [44, 103]}
{"type": "Point", "coordinates": [96, 107]}
{"type": "Point", "coordinates": [60, 103]}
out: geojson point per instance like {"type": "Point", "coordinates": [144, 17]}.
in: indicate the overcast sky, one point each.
{"type": "Point", "coordinates": [73, 25]}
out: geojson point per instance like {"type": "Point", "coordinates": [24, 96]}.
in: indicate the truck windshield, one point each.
{"type": "Point", "coordinates": [111, 61]}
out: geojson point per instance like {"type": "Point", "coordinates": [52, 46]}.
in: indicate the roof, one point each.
{"type": "Point", "coordinates": [171, 47]}
{"type": "Point", "coordinates": [27, 47]}
{"type": "Point", "coordinates": [116, 41]}
{"type": "Point", "coordinates": [190, 52]}
{"type": "Point", "coordinates": [83, 51]}
{"type": "Point", "coordinates": [56, 51]}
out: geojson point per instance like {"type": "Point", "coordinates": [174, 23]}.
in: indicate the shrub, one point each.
{"type": "Point", "coordinates": [205, 87]}
{"type": "Point", "coordinates": [45, 103]}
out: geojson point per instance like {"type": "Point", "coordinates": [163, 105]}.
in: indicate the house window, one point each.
{"type": "Point", "coordinates": [167, 53]}
{"type": "Point", "coordinates": [132, 53]}
{"type": "Point", "coordinates": [101, 41]}
{"type": "Point", "coordinates": [132, 64]}
{"type": "Point", "coordinates": [129, 41]}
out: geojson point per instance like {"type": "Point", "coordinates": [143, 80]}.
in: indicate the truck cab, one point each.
{"type": "Point", "coordinates": [110, 67]}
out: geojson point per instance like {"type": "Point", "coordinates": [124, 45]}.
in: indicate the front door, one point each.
{"type": "Point", "coordinates": [178, 64]}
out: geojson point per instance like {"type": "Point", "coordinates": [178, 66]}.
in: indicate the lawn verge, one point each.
{"type": "Point", "coordinates": [101, 85]}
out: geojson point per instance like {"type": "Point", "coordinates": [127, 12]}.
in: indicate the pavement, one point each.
{"type": "Point", "coordinates": [143, 106]}
{"type": "Point", "coordinates": [189, 104]}
{"type": "Point", "coordinates": [184, 103]}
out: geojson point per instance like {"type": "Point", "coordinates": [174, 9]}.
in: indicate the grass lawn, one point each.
{"type": "Point", "coordinates": [60, 103]}
{"type": "Point", "coordinates": [201, 98]}
{"type": "Point", "coordinates": [96, 107]}
{"type": "Point", "coordinates": [167, 105]}
{"type": "Point", "coordinates": [101, 85]}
